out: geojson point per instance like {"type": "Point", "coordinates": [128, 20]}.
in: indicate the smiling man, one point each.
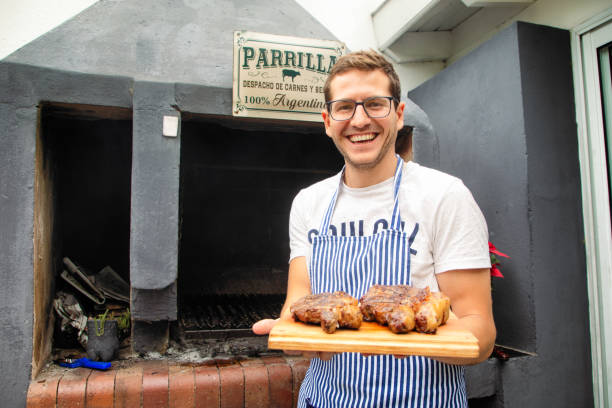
{"type": "Point", "coordinates": [383, 221]}
{"type": "Point", "coordinates": [365, 137]}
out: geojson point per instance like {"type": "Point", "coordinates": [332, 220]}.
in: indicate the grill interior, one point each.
{"type": "Point", "coordinates": [228, 312]}
{"type": "Point", "coordinates": [236, 189]}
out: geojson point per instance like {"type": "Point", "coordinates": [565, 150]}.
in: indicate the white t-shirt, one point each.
{"type": "Point", "coordinates": [452, 231]}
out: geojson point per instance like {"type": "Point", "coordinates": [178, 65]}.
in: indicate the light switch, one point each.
{"type": "Point", "coordinates": [170, 127]}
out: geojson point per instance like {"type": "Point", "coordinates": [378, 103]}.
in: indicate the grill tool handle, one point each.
{"type": "Point", "coordinates": [98, 365]}
{"type": "Point", "coordinates": [83, 362]}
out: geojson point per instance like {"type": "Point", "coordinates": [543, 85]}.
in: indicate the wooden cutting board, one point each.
{"type": "Point", "coordinates": [449, 340]}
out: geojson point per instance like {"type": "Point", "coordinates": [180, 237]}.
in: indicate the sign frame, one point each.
{"type": "Point", "coordinates": [263, 64]}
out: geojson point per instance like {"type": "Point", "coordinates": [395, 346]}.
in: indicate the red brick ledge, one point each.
{"type": "Point", "coordinates": [271, 381]}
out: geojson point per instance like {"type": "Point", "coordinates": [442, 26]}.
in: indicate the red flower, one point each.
{"type": "Point", "coordinates": [494, 261]}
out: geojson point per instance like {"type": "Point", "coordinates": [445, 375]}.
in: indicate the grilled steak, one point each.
{"type": "Point", "coordinates": [432, 312]}
{"type": "Point", "coordinates": [404, 308]}
{"type": "Point", "coordinates": [331, 310]}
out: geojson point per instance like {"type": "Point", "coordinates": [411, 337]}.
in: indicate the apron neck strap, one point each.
{"type": "Point", "coordinates": [395, 217]}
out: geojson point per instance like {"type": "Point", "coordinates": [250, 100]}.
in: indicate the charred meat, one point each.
{"type": "Point", "coordinates": [392, 305]}
{"type": "Point", "coordinates": [432, 312]}
{"type": "Point", "coordinates": [403, 308]}
{"type": "Point", "coordinates": [331, 310]}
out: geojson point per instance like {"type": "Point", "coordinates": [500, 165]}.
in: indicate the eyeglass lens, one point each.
{"type": "Point", "coordinates": [375, 107]}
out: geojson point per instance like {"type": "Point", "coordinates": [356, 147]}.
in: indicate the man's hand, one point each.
{"type": "Point", "coordinates": [323, 355]}
{"type": "Point", "coordinates": [298, 285]}
{"type": "Point", "coordinates": [264, 326]}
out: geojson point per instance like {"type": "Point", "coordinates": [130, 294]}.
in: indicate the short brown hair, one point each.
{"type": "Point", "coordinates": [369, 60]}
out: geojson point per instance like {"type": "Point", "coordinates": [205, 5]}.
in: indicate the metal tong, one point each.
{"type": "Point", "coordinates": [77, 277]}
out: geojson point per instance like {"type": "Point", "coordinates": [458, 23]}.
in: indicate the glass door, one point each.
{"type": "Point", "coordinates": [592, 49]}
{"type": "Point", "coordinates": [605, 82]}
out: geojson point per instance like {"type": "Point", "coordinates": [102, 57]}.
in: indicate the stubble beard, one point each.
{"type": "Point", "coordinates": [371, 164]}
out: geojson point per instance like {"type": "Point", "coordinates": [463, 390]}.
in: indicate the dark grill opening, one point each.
{"type": "Point", "coordinates": [90, 151]}
{"type": "Point", "coordinates": [82, 208]}
{"type": "Point", "coordinates": [208, 313]}
{"type": "Point", "coordinates": [238, 180]}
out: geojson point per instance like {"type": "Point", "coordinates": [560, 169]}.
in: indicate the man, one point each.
{"type": "Point", "coordinates": [423, 224]}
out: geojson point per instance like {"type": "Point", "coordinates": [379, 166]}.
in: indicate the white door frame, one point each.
{"type": "Point", "coordinates": [585, 39]}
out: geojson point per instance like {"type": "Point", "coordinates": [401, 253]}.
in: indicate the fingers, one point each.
{"type": "Point", "coordinates": [264, 326]}
{"type": "Point", "coordinates": [325, 356]}
{"type": "Point", "coordinates": [292, 352]}
{"type": "Point", "coordinates": [370, 355]}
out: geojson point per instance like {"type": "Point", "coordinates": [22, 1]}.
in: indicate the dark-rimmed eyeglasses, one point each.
{"type": "Point", "coordinates": [375, 107]}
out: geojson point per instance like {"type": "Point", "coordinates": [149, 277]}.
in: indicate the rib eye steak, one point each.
{"type": "Point", "coordinates": [404, 308]}
{"type": "Point", "coordinates": [331, 310]}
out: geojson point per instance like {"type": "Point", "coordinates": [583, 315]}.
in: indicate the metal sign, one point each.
{"type": "Point", "coordinates": [281, 77]}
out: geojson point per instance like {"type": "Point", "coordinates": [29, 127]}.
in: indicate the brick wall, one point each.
{"type": "Point", "coordinates": [271, 381]}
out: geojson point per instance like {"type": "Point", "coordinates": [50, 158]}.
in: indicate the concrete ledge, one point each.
{"type": "Point", "coordinates": [26, 85]}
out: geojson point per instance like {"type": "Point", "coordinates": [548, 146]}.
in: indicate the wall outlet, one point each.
{"type": "Point", "coordinates": [170, 126]}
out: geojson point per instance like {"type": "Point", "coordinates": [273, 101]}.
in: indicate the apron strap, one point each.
{"type": "Point", "coordinates": [395, 216]}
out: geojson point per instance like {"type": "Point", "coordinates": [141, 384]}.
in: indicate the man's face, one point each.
{"type": "Point", "coordinates": [364, 142]}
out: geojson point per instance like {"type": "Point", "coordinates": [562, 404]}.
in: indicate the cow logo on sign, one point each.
{"type": "Point", "coordinates": [290, 73]}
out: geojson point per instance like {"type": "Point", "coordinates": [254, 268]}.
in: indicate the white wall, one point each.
{"type": "Point", "coordinates": [21, 21]}
{"type": "Point", "coordinates": [565, 14]}
{"type": "Point", "coordinates": [349, 20]}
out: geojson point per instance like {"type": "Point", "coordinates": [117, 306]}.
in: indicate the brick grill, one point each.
{"type": "Point", "coordinates": [269, 381]}
{"type": "Point", "coordinates": [205, 296]}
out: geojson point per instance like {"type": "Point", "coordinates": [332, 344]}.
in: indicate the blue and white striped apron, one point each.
{"type": "Point", "coordinates": [353, 264]}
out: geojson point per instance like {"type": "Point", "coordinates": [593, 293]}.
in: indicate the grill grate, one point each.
{"type": "Point", "coordinates": [228, 312]}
